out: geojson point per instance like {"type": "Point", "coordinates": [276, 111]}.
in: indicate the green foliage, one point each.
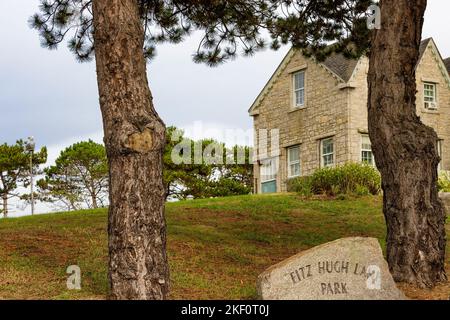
{"type": "Point", "coordinates": [351, 178]}
{"type": "Point", "coordinates": [312, 25]}
{"type": "Point", "coordinates": [225, 187]}
{"type": "Point", "coordinates": [79, 176]}
{"type": "Point", "coordinates": [15, 169]}
{"type": "Point", "coordinates": [228, 26]}
{"type": "Point", "coordinates": [193, 174]}
{"type": "Point", "coordinates": [444, 181]}
{"type": "Point", "coordinates": [301, 185]}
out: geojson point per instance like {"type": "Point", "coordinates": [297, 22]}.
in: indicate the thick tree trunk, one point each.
{"type": "Point", "coordinates": [5, 205]}
{"type": "Point", "coordinates": [134, 139]}
{"type": "Point", "coordinates": [405, 149]}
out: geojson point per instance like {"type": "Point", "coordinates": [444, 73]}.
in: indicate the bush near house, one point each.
{"type": "Point", "coordinates": [351, 178]}
{"type": "Point", "coordinates": [444, 181]}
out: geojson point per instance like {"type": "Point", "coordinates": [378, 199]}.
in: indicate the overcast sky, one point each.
{"type": "Point", "coordinates": [49, 95]}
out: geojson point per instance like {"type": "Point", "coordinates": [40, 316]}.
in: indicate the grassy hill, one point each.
{"type": "Point", "coordinates": [217, 247]}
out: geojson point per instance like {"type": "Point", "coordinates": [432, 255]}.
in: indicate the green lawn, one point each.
{"type": "Point", "coordinates": [217, 247]}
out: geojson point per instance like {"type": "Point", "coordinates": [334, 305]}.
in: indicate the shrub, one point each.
{"type": "Point", "coordinates": [444, 181]}
{"type": "Point", "coordinates": [351, 178]}
{"type": "Point", "coordinates": [301, 185]}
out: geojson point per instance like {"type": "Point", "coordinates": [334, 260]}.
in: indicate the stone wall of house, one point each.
{"type": "Point", "coordinates": [325, 115]}
{"type": "Point", "coordinates": [445, 197]}
{"type": "Point", "coordinates": [358, 108]}
{"type": "Point", "coordinates": [428, 70]}
{"type": "Point", "coordinates": [336, 109]}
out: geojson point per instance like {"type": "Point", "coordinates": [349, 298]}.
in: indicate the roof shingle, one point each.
{"type": "Point", "coordinates": [343, 67]}
{"type": "Point", "coordinates": [447, 64]}
{"type": "Point", "coordinates": [340, 65]}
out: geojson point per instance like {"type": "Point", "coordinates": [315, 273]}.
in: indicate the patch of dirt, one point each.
{"type": "Point", "coordinates": [47, 247]}
{"type": "Point", "coordinates": [441, 292]}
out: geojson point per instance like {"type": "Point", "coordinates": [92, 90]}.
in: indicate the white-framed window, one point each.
{"type": "Point", "coordinates": [430, 96]}
{"type": "Point", "coordinates": [366, 150]}
{"type": "Point", "coordinates": [294, 161]}
{"type": "Point", "coordinates": [299, 89]}
{"type": "Point", "coordinates": [439, 150]}
{"type": "Point", "coordinates": [269, 170]}
{"type": "Point", "coordinates": [327, 153]}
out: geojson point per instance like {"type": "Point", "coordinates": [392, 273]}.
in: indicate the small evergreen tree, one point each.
{"type": "Point", "coordinates": [79, 177]}
{"type": "Point", "coordinates": [15, 170]}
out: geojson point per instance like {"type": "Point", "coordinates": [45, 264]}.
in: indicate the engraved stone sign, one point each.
{"type": "Point", "coordinates": [345, 269]}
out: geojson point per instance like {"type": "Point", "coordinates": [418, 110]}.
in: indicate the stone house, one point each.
{"type": "Point", "coordinates": [312, 115]}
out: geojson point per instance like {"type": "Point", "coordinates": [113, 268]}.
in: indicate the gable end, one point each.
{"type": "Point", "coordinates": [430, 44]}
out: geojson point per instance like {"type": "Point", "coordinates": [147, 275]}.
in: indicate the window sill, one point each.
{"type": "Point", "coordinates": [437, 112]}
{"type": "Point", "coordinates": [291, 110]}
{"type": "Point", "coordinates": [274, 180]}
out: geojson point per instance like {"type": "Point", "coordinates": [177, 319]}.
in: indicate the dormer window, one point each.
{"type": "Point", "coordinates": [299, 89]}
{"type": "Point", "coordinates": [429, 94]}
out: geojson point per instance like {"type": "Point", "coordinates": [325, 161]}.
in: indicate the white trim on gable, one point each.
{"type": "Point", "coordinates": [281, 68]}
{"type": "Point", "coordinates": [438, 58]}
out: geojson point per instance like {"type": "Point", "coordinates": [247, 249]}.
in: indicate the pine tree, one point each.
{"type": "Point", "coordinates": [405, 149]}
{"type": "Point", "coordinates": [15, 170]}
{"type": "Point", "coordinates": [79, 177]}
{"type": "Point", "coordinates": [123, 34]}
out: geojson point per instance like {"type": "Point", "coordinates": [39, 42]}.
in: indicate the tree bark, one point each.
{"type": "Point", "coordinates": [5, 205]}
{"type": "Point", "coordinates": [134, 140]}
{"type": "Point", "coordinates": [93, 196]}
{"type": "Point", "coordinates": [405, 149]}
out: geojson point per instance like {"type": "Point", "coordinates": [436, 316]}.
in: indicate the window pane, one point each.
{"type": "Point", "coordinates": [366, 143]}
{"type": "Point", "coordinates": [328, 160]}
{"type": "Point", "coordinates": [327, 146]}
{"type": "Point", "coordinates": [268, 170]}
{"type": "Point", "coordinates": [294, 170]}
{"type": "Point", "coordinates": [294, 154]}
{"type": "Point", "coordinates": [430, 92]}
{"type": "Point", "coordinates": [300, 97]}
{"type": "Point", "coordinates": [366, 150]}
{"type": "Point", "coordinates": [299, 80]}
{"type": "Point", "coordinates": [367, 157]}
{"type": "Point", "coordinates": [439, 149]}
{"type": "Point", "coordinates": [294, 161]}
{"type": "Point", "coordinates": [327, 152]}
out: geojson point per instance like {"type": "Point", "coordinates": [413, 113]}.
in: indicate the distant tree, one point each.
{"type": "Point", "coordinates": [209, 169]}
{"type": "Point", "coordinates": [15, 170]}
{"type": "Point", "coordinates": [173, 172]}
{"type": "Point", "coordinates": [240, 168]}
{"type": "Point", "coordinates": [57, 188]}
{"type": "Point", "coordinates": [79, 177]}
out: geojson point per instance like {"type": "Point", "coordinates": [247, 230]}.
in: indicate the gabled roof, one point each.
{"type": "Point", "coordinates": [443, 64]}
{"type": "Point", "coordinates": [341, 66]}
{"type": "Point", "coordinates": [423, 48]}
{"type": "Point", "coordinates": [447, 64]}
{"type": "Point", "coordinates": [338, 65]}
